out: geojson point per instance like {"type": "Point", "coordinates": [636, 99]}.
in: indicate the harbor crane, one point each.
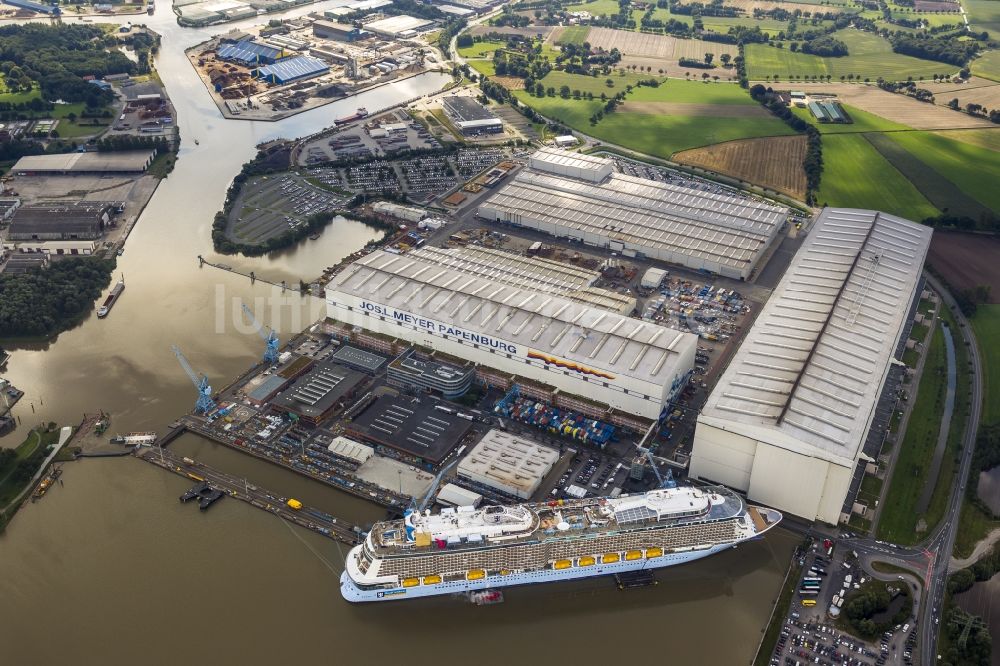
{"type": "Point", "coordinates": [419, 508]}
{"type": "Point", "coordinates": [270, 338]}
{"type": "Point", "coordinates": [204, 404]}
{"type": "Point", "coordinates": [664, 481]}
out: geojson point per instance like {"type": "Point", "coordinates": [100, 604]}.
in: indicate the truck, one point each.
{"type": "Point", "coordinates": [294, 504]}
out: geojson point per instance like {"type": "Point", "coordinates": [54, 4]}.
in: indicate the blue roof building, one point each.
{"type": "Point", "coordinates": [297, 68]}
{"type": "Point", "coordinates": [250, 53]}
{"type": "Point", "coordinates": [33, 6]}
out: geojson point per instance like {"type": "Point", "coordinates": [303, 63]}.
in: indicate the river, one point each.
{"type": "Point", "coordinates": [110, 568]}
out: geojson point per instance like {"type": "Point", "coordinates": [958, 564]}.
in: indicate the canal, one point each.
{"type": "Point", "coordinates": [111, 567]}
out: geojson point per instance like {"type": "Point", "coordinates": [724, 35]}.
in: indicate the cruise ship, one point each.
{"type": "Point", "coordinates": [466, 549]}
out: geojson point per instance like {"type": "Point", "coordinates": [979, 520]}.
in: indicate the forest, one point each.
{"type": "Point", "coordinates": [45, 301]}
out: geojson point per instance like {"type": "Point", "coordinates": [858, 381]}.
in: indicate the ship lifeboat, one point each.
{"type": "Point", "coordinates": [411, 582]}
{"type": "Point", "coordinates": [505, 572]}
{"type": "Point", "coordinates": [653, 552]}
{"type": "Point", "coordinates": [562, 564]}
{"type": "Point", "coordinates": [610, 558]}
{"type": "Point", "coordinates": [475, 574]}
{"type": "Point", "coordinates": [633, 555]}
{"type": "Point", "coordinates": [432, 580]}
{"type": "Point", "coordinates": [587, 561]}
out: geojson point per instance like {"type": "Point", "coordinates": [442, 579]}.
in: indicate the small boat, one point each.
{"type": "Point", "coordinates": [362, 112]}
{"type": "Point", "coordinates": [486, 597]}
{"type": "Point", "coordinates": [314, 236]}
{"type": "Point", "coordinates": [196, 142]}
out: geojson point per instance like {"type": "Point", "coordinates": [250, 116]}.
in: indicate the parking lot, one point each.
{"type": "Point", "coordinates": [368, 139]}
{"type": "Point", "coordinates": [268, 206]}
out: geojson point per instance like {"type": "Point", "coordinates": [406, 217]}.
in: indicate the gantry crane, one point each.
{"type": "Point", "coordinates": [664, 481]}
{"type": "Point", "coordinates": [204, 404]}
{"type": "Point", "coordinates": [271, 341]}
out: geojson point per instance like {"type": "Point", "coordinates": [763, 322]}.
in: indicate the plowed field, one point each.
{"type": "Point", "coordinates": [772, 162]}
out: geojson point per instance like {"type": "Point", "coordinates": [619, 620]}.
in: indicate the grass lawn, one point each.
{"type": "Point", "coordinates": [17, 97]}
{"type": "Point", "coordinates": [480, 49]}
{"type": "Point", "coordinates": [987, 65]}
{"type": "Point", "coordinates": [596, 84]}
{"type": "Point", "coordinates": [35, 442]}
{"type": "Point", "coordinates": [484, 67]}
{"type": "Point", "coordinates": [863, 122]}
{"type": "Point", "coordinates": [870, 57]}
{"type": "Point", "coordinates": [898, 518]}
{"type": "Point", "coordinates": [919, 332]}
{"type": "Point", "coordinates": [596, 8]}
{"type": "Point", "coordinates": [986, 324]}
{"type": "Point", "coordinates": [973, 526]}
{"type": "Point", "coordinates": [984, 15]}
{"type": "Point", "coordinates": [971, 168]}
{"type": "Point", "coordinates": [763, 657]}
{"type": "Point", "coordinates": [692, 92]}
{"type": "Point", "coordinates": [857, 176]}
{"type": "Point", "coordinates": [575, 34]}
{"type": "Point", "coordinates": [657, 135]}
{"type": "Point", "coordinates": [940, 191]}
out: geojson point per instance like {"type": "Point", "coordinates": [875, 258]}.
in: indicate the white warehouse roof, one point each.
{"type": "Point", "coordinates": [471, 305]}
{"type": "Point", "coordinates": [808, 376]}
{"type": "Point", "coordinates": [351, 450]}
{"type": "Point", "coordinates": [512, 464]}
{"type": "Point", "coordinates": [577, 196]}
{"type": "Point", "coordinates": [458, 496]}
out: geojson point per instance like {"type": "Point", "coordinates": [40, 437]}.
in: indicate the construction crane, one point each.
{"type": "Point", "coordinates": [664, 481]}
{"type": "Point", "coordinates": [270, 338]}
{"type": "Point", "coordinates": [419, 508]}
{"type": "Point", "coordinates": [204, 404]}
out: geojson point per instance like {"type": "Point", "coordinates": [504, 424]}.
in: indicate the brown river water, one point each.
{"type": "Point", "coordinates": [111, 569]}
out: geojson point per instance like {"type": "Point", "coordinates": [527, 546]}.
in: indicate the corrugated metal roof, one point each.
{"type": "Point", "coordinates": [248, 51]}
{"type": "Point", "coordinates": [813, 364]}
{"type": "Point", "coordinates": [294, 68]}
{"type": "Point", "coordinates": [569, 159]}
{"type": "Point", "coordinates": [545, 322]}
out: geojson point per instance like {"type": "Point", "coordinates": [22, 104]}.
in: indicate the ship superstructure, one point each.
{"type": "Point", "coordinates": [466, 549]}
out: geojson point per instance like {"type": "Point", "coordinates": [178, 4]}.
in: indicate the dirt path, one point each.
{"type": "Point", "coordinates": [977, 552]}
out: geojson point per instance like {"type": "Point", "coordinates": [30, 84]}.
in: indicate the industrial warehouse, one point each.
{"type": "Point", "coordinates": [789, 420]}
{"type": "Point", "coordinates": [126, 162]}
{"type": "Point", "coordinates": [521, 332]}
{"type": "Point", "coordinates": [580, 197]}
{"type": "Point", "coordinates": [471, 117]}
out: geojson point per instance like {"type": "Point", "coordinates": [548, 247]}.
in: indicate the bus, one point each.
{"type": "Point", "coordinates": [811, 583]}
{"type": "Point", "coordinates": [808, 593]}
{"type": "Point", "coordinates": [808, 602]}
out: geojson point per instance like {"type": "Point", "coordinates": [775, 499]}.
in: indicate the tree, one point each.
{"type": "Point", "coordinates": [725, 58]}
{"type": "Point", "coordinates": [564, 92]}
{"type": "Point", "coordinates": [708, 58]}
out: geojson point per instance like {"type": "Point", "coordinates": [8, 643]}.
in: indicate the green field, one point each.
{"type": "Point", "coordinates": [857, 176]}
{"type": "Point", "coordinates": [575, 34]}
{"type": "Point", "coordinates": [870, 57]}
{"type": "Point", "coordinates": [939, 190]}
{"type": "Point", "coordinates": [986, 324]}
{"type": "Point", "coordinates": [596, 84]}
{"type": "Point", "coordinates": [596, 8]}
{"type": "Point", "coordinates": [19, 97]}
{"type": "Point", "coordinates": [722, 24]}
{"type": "Point", "coordinates": [973, 169]}
{"type": "Point", "coordinates": [484, 67]}
{"type": "Point", "coordinates": [862, 122]}
{"type": "Point", "coordinates": [692, 92]}
{"type": "Point", "coordinates": [984, 15]}
{"type": "Point", "coordinates": [480, 49]}
{"type": "Point", "coordinates": [987, 65]}
{"type": "Point", "coordinates": [984, 138]}
{"type": "Point", "coordinates": [657, 135]}
{"type": "Point", "coordinates": [898, 517]}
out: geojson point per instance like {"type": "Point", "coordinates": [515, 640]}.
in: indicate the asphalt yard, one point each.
{"type": "Point", "coordinates": [271, 205]}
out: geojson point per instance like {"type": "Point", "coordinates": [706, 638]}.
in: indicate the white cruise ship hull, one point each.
{"type": "Point", "coordinates": [353, 593]}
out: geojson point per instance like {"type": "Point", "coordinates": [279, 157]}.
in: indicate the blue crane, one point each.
{"type": "Point", "coordinates": [205, 404]}
{"type": "Point", "coordinates": [664, 481]}
{"type": "Point", "coordinates": [270, 338]}
{"type": "Point", "coordinates": [418, 509]}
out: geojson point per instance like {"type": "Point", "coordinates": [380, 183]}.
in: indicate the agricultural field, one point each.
{"type": "Point", "coordinates": [984, 15]}
{"type": "Point", "coordinates": [693, 92]}
{"type": "Point", "coordinates": [978, 91]}
{"type": "Point", "coordinates": [967, 260]}
{"type": "Point", "coordinates": [984, 138]}
{"type": "Point", "coordinates": [987, 65]}
{"type": "Point", "coordinates": [594, 84]}
{"type": "Point", "coordinates": [771, 162]}
{"type": "Point", "coordinates": [483, 66]}
{"type": "Point", "coordinates": [482, 49]}
{"type": "Point", "coordinates": [749, 5]}
{"type": "Point", "coordinates": [574, 34]}
{"type": "Point", "coordinates": [658, 47]}
{"type": "Point", "coordinates": [596, 8]}
{"type": "Point", "coordinates": [897, 108]}
{"type": "Point", "coordinates": [855, 175]}
{"type": "Point", "coordinates": [870, 57]}
{"type": "Point", "coordinates": [937, 187]}
{"type": "Point", "coordinates": [722, 24]}
{"type": "Point", "coordinates": [973, 169]}
{"type": "Point", "coordinates": [986, 323]}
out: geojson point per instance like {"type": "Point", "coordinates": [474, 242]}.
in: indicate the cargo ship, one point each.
{"type": "Point", "coordinates": [462, 550]}
{"type": "Point", "coordinates": [362, 112]}
{"type": "Point", "coordinates": [112, 298]}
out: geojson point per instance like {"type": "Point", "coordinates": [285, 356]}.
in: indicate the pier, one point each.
{"type": "Point", "coordinates": [239, 488]}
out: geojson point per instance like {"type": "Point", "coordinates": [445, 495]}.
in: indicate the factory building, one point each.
{"type": "Point", "coordinates": [341, 32]}
{"type": "Point", "coordinates": [789, 421]}
{"type": "Point", "coordinates": [512, 464]}
{"type": "Point", "coordinates": [470, 116]}
{"type": "Point", "coordinates": [427, 374]}
{"type": "Point", "coordinates": [320, 392]}
{"type": "Point", "coordinates": [519, 331]}
{"type": "Point", "coordinates": [580, 197]}
{"type": "Point", "coordinates": [298, 68]}
{"type": "Point", "coordinates": [414, 429]}
{"type": "Point", "coordinates": [71, 164]}
{"type": "Point", "coordinates": [452, 495]}
{"type": "Point", "coordinates": [39, 7]}
{"type": "Point", "coordinates": [399, 27]}
{"type": "Point", "coordinates": [250, 54]}
{"type": "Point", "coordinates": [82, 220]}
